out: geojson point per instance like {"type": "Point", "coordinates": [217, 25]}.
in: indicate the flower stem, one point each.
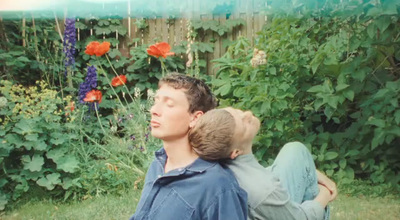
{"type": "Point", "coordinates": [115, 72]}
{"type": "Point", "coordinates": [98, 118]}
{"type": "Point", "coordinates": [163, 68]}
{"type": "Point", "coordinates": [109, 82]}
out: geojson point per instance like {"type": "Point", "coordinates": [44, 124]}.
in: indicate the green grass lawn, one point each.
{"type": "Point", "coordinates": [121, 207]}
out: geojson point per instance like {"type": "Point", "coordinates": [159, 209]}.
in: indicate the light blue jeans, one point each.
{"type": "Point", "coordinates": [296, 170]}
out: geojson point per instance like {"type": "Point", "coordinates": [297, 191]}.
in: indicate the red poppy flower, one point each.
{"type": "Point", "coordinates": [102, 48]}
{"type": "Point", "coordinates": [160, 49]}
{"type": "Point", "coordinates": [118, 80]}
{"type": "Point", "coordinates": [95, 48]}
{"type": "Point", "coordinates": [93, 96]}
{"type": "Point", "coordinates": [91, 47]}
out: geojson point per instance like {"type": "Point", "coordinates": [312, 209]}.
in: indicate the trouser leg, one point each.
{"type": "Point", "coordinates": [296, 170]}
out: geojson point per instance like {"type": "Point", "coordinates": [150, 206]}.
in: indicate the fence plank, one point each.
{"type": "Point", "coordinates": [176, 32]}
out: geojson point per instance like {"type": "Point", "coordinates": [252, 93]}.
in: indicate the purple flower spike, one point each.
{"type": "Point", "coordinates": [89, 83]}
{"type": "Point", "coordinates": [69, 43]}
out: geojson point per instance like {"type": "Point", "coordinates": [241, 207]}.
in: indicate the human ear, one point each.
{"type": "Point", "coordinates": [235, 153]}
{"type": "Point", "coordinates": [195, 117]}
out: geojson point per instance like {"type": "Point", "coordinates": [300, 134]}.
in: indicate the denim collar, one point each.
{"type": "Point", "coordinates": [198, 166]}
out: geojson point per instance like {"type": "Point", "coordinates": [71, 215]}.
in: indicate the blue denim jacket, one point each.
{"type": "Point", "coordinates": [202, 190]}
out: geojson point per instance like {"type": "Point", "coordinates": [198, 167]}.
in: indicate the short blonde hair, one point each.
{"type": "Point", "coordinates": [211, 137]}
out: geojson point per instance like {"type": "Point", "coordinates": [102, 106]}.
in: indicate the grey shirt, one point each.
{"type": "Point", "coordinates": [267, 199]}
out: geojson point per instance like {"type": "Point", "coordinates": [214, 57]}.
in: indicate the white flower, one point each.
{"type": "Point", "coordinates": [3, 102]}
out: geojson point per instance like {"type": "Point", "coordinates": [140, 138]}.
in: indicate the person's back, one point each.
{"type": "Point", "coordinates": [290, 189]}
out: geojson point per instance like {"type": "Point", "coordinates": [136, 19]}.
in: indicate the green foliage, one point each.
{"type": "Point", "coordinates": [35, 139]}
{"type": "Point", "coordinates": [330, 81]}
{"type": "Point", "coordinates": [215, 26]}
{"type": "Point", "coordinates": [33, 56]}
{"type": "Point", "coordinates": [145, 70]}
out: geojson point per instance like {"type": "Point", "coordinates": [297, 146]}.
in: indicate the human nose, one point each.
{"type": "Point", "coordinates": [154, 110]}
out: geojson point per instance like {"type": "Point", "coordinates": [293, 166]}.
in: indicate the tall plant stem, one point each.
{"type": "Point", "coordinates": [115, 72]}
{"type": "Point", "coordinates": [98, 118]}
{"type": "Point", "coordinates": [163, 67]}
{"type": "Point", "coordinates": [109, 82]}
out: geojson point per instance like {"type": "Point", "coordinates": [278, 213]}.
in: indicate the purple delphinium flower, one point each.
{"type": "Point", "coordinates": [89, 83]}
{"type": "Point", "coordinates": [69, 43]}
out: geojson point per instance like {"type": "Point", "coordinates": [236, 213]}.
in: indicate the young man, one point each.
{"type": "Point", "coordinates": [291, 188]}
{"type": "Point", "coordinates": [180, 185]}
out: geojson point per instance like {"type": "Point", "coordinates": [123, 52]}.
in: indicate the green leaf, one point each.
{"type": "Point", "coordinates": [330, 155]}
{"type": "Point", "coordinates": [224, 90]}
{"type": "Point", "coordinates": [24, 127]}
{"type": "Point", "coordinates": [15, 140]}
{"type": "Point", "coordinates": [113, 53]}
{"type": "Point", "coordinates": [397, 116]}
{"type": "Point", "coordinates": [56, 154]}
{"type": "Point", "coordinates": [57, 138]}
{"type": "Point", "coordinates": [340, 87]}
{"type": "Point", "coordinates": [272, 71]}
{"type": "Point", "coordinates": [41, 146]}
{"type": "Point", "coordinates": [33, 164]}
{"type": "Point", "coordinates": [32, 137]}
{"type": "Point", "coordinates": [23, 59]}
{"type": "Point", "coordinates": [103, 23]}
{"type": "Point", "coordinates": [49, 181]}
{"type": "Point", "coordinates": [349, 172]}
{"type": "Point", "coordinates": [371, 30]}
{"type": "Point", "coordinates": [376, 121]}
{"type": "Point", "coordinates": [352, 153]}
{"type": "Point", "coordinates": [68, 183]}
{"type": "Point", "coordinates": [80, 25]}
{"type": "Point", "coordinates": [68, 164]}
{"type": "Point", "coordinates": [349, 94]}
{"type": "Point", "coordinates": [333, 101]}
{"type": "Point", "coordinates": [378, 139]}
{"type": "Point", "coordinates": [316, 89]}
{"type": "Point", "coordinates": [3, 201]}
{"type": "Point", "coordinates": [138, 64]}
{"type": "Point", "coordinates": [383, 23]}
{"type": "Point", "coordinates": [361, 74]}
{"type": "Point", "coordinates": [342, 163]}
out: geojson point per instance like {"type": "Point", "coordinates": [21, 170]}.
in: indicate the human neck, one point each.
{"type": "Point", "coordinates": [247, 149]}
{"type": "Point", "coordinates": [179, 153]}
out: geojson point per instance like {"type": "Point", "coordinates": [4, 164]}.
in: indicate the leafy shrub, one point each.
{"type": "Point", "coordinates": [330, 81]}
{"type": "Point", "coordinates": [35, 141]}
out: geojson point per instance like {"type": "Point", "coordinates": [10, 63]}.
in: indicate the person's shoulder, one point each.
{"type": "Point", "coordinates": [221, 177]}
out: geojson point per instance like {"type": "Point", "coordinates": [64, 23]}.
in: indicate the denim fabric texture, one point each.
{"type": "Point", "coordinates": [296, 170]}
{"type": "Point", "coordinates": [202, 190]}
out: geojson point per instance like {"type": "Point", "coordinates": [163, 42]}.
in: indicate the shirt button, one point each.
{"type": "Point", "coordinates": [180, 169]}
{"type": "Point", "coordinates": [159, 176]}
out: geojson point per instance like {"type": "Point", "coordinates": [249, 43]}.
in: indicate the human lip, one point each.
{"type": "Point", "coordinates": [154, 124]}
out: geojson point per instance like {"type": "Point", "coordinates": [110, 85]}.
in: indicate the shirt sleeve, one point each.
{"type": "Point", "coordinates": [231, 204]}
{"type": "Point", "coordinates": [278, 205]}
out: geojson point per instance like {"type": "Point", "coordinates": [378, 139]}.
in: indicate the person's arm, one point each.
{"type": "Point", "coordinates": [278, 205]}
{"type": "Point", "coordinates": [324, 195]}
{"type": "Point", "coordinates": [231, 204]}
{"type": "Point", "coordinates": [329, 184]}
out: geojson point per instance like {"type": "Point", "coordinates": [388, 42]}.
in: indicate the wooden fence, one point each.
{"type": "Point", "coordinates": [158, 28]}
{"type": "Point", "coordinates": [174, 33]}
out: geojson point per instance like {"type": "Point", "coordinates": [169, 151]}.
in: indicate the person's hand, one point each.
{"type": "Point", "coordinates": [324, 195]}
{"type": "Point", "coordinates": [328, 183]}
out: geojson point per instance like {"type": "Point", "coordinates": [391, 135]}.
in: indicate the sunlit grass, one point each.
{"type": "Point", "coordinates": [122, 207]}
{"type": "Point", "coordinates": [354, 208]}
{"type": "Point", "coordinates": [101, 207]}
